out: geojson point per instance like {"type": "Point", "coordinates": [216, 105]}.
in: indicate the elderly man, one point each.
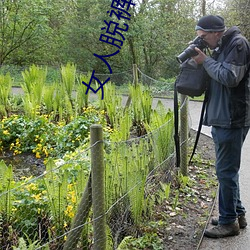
{"type": "Point", "coordinates": [228, 112]}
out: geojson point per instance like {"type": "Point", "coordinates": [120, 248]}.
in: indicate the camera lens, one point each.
{"type": "Point", "coordinates": [190, 51]}
{"type": "Point", "coordinates": [187, 53]}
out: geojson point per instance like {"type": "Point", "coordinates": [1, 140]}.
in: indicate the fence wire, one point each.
{"type": "Point", "coordinates": [158, 87]}
{"type": "Point", "coordinates": [43, 210]}
{"type": "Point", "coordinates": [47, 204]}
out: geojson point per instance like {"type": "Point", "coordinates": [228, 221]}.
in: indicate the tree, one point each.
{"type": "Point", "coordinates": [82, 34]}
{"type": "Point", "coordinates": [159, 31]}
{"type": "Point", "coordinates": [61, 31]}
{"type": "Point", "coordinates": [21, 21]}
{"type": "Point", "coordinates": [237, 12]}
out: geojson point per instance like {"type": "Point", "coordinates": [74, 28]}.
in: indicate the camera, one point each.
{"type": "Point", "coordinates": [190, 51]}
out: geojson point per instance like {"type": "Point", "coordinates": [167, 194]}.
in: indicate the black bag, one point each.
{"type": "Point", "coordinates": [192, 80]}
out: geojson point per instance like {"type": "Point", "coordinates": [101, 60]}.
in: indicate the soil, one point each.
{"type": "Point", "coordinates": [186, 223]}
{"type": "Point", "coordinates": [25, 164]}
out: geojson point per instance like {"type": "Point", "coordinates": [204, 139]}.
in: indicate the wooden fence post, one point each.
{"type": "Point", "coordinates": [135, 78]}
{"type": "Point", "coordinates": [135, 74]}
{"type": "Point", "coordinates": [98, 195]}
{"type": "Point", "coordinates": [184, 135]}
{"type": "Point", "coordinates": [80, 218]}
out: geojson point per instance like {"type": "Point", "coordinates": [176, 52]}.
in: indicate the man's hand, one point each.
{"type": "Point", "coordinates": [200, 58]}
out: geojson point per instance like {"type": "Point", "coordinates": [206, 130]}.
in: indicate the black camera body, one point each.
{"type": "Point", "coordinates": [190, 51]}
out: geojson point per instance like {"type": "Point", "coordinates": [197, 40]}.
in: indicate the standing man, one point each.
{"type": "Point", "coordinates": [228, 112]}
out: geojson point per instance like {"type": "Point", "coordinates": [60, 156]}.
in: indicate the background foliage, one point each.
{"type": "Point", "coordinates": [56, 32]}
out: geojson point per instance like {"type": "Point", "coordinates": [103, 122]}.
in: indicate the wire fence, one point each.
{"type": "Point", "coordinates": [162, 86]}
{"type": "Point", "coordinates": [55, 210]}
{"type": "Point", "coordinates": [42, 209]}
{"type": "Point", "coordinates": [158, 87]}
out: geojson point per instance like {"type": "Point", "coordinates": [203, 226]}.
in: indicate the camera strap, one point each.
{"type": "Point", "coordinates": [176, 126]}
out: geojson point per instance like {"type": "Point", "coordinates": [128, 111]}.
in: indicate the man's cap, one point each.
{"type": "Point", "coordinates": [210, 23]}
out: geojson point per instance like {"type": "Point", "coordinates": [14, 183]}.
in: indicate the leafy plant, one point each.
{"type": "Point", "coordinates": [6, 184]}
{"type": "Point", "coordinates": [161, 126]}
{"type": "Point", "coordinates": [30, 208]}
{"type": "Point", "coordinates": [6, 205]}
{"type": "Point", "coordinates": [184, 181]}
{"type": "Point", "coordinates": [57, 192]}
{"type": "Point", "coordinates": [48, 98]}
{"type": "Point", "coordinates": [82, 98]}
{"type": "Point", "coordinates": [111, 104]}
{"type": "Point", "coordinates": [126, 173]}
{"type": "Point", "coordinates": [147, 241]}
{"type": "Point", "coordinates": [33, 86]}
{"type": "Point", "coordinates": [121, 131]}
{"type": "Point", "coordinates": [141, 104]}
{"type": "Point", "coordinates": [164, 191]}
{"type": "Point", "coordinates": [68, 74]}
{"type": "Point", "coordinates": [22, 245]}
{"type": "Point", "coordinates": [176, 199]}
{"type": "Point", "coordinates": [5, 90]}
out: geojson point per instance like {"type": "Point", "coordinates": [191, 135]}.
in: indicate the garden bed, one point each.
{"type": "Point", "coordinates": [150, 204]}
{"type": "Point", "coordinates": [178, 222]}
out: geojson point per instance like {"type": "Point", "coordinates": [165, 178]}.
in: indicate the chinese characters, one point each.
{"type": "Point", "coordinates": [113, 36]}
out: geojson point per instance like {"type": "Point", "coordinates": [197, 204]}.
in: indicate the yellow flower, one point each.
{"type": "Point", "coordinates": [14, 209]}
{"type": "Point", "coordinates": [6, 132]}
{"type": "Point", "coordinates": [73, 199]}
{"type": "Point", "coordinates": [69, 211]}
{"type": "Point", "coordinates": [31, 187]}
{"type": "Point", "coordinates": [102, 112]}
{"type": "Point", "coordinates": [26, 178]}
{"type": "Point", "coordinates": [16, 152]}
{"type": "Point", "coordinates": [45, 151]}
{"type": "Point", "coordinates": [38, 155]}
{"type": "Point", "coordinates": [37, 196]}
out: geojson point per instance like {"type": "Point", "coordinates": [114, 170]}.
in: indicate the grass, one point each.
{"type": "Point", "coordinates": [53, 74]}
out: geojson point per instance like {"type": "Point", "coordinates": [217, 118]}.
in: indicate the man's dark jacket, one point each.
{"type": "Point", "coordinates": [229, 90]}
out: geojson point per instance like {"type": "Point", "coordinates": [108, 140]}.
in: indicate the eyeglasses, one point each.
{"type": "Point", "coordinates": [203, 36]}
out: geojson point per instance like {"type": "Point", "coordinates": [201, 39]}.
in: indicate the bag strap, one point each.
{"type": "Point", "coordinates": [176, 126]}
{"type": "Point", "coordinates": [199, 127]}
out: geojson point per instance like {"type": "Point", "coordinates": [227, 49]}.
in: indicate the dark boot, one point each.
{"type": "Point", "coordinates": [241, 219]}
{"type": "Point", "coordinates": [221, 231]}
